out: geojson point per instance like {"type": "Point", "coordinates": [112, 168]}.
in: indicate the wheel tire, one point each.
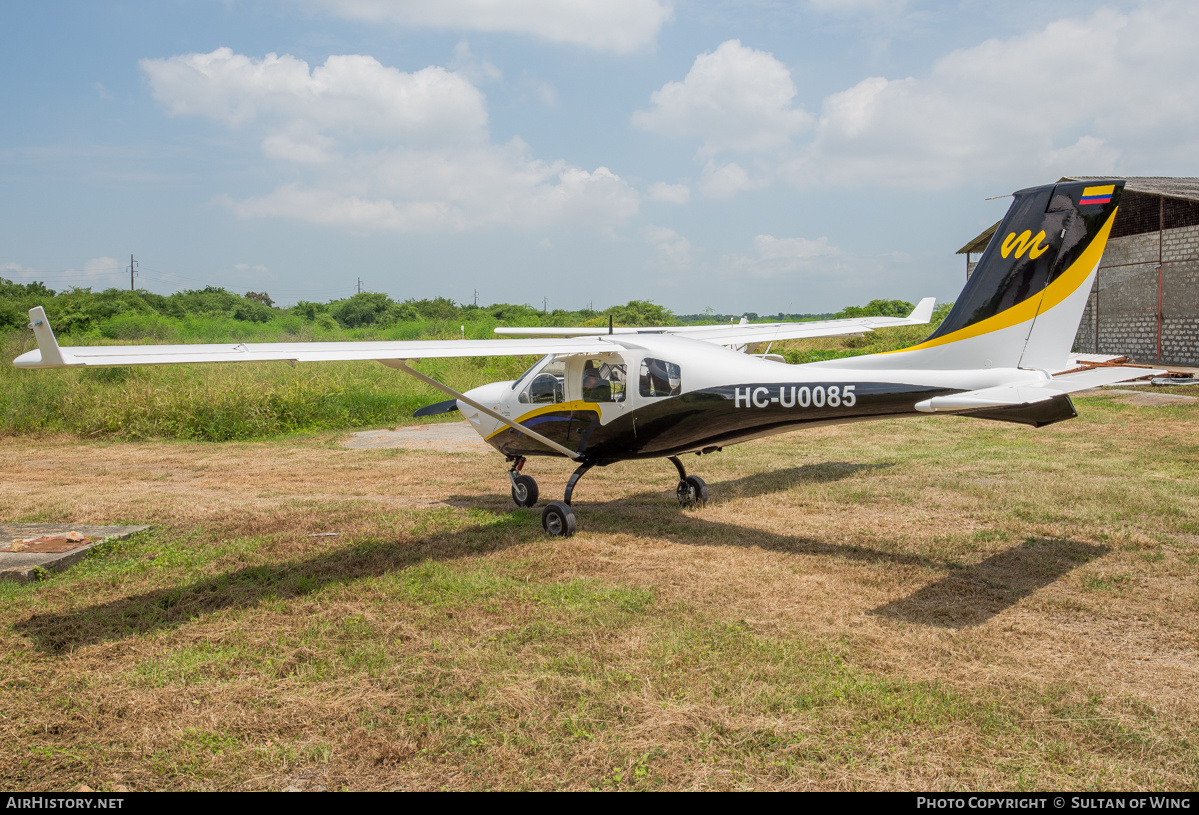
{"type": "Point", "coordinates": [524, 491]}
{"type": "Point", "coordinates": [699, 490]}
{"type": "Point", "coordinates": [558, 519]}
{"type": "Point", "coordinates": [683, 493]}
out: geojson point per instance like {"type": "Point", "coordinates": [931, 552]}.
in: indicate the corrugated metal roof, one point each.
{"type": "Point", "coordinates": [1186, 189]}
{"type": "Point", "coordinates": [980, 243]}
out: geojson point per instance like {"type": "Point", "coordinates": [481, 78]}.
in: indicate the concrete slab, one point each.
{"type": "Point", "coordinates": [445, 437]}
{"type": "Point", "coordinates": [22, 566]}
{"type": "Point", "coordinates": [1141, 398]}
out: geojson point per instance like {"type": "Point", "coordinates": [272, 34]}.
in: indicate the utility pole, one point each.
{"type": "Point", "coordinates": [360, 285]}
{"type": "Point", "coordinates": [545, 305]}
{"type": "Point", "coordinates": [476, 298]}
{"type": "Point", "coordinates": [132, 266]}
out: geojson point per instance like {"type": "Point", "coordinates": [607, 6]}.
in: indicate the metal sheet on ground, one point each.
{"type": "Point", "coordinates": [1141, 398]}
{"type": "Point", "coordinates": [21, 566]}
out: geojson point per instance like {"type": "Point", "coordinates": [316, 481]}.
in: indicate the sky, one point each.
{"type": "Point", "coordinates": [737, 155]}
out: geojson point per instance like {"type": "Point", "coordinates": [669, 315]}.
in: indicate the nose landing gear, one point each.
{"type": "Point", "coordinates": [524, 488]}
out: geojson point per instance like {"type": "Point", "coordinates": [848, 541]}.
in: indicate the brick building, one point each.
{"type": "Point", "coordinates": [1145, 301]}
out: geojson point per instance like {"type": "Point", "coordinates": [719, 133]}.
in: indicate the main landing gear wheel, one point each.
{"type": "Point", "coordinates": [524, 490]}
{"type": "Point", "coordinates": [691, 491]}
{"type": "Point", "coordinates": [558, 519]}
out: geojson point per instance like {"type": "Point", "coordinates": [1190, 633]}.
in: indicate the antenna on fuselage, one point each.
{"type": "Point", "coordinates": [609, 324]}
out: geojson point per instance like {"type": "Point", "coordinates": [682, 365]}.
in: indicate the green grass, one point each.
{"type": "Point", "coordinates": [940, 604]}
{"type": "Point", "coordinates": [224, 402]}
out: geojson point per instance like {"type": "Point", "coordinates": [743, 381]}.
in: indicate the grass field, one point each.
{"type": "Point", "coordinates": [936, 603]}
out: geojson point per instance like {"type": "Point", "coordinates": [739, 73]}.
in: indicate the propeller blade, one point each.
{"type": "Point", "coordinates": [437, 408]}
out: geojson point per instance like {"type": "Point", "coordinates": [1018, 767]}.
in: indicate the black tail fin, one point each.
{"type": "Point", "coordinates": [1022, 305]}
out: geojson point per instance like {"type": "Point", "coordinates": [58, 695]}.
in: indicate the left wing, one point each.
{"type": "Point", "coordinates": [50, 355]}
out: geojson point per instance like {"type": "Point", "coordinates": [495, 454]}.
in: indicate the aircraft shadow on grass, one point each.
{"type": "Point", "coordinates": [964, 597]}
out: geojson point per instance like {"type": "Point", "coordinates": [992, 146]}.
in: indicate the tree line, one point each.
{"type": "Point", "coordinates": [118, 313]}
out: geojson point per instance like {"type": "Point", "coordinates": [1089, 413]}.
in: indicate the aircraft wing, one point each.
{"type": "Point", "coordinates": [746, 332]}
{"type": "Point", "coordinates": [1031, 393]}
{"type": "Point", "coordinates": [50, 355]}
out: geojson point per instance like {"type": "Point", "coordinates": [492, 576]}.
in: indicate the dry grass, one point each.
{"type": "Point", "coordinates": [932, 604]}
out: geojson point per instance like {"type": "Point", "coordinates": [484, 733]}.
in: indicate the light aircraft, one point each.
{"type": "Point", "coordinates": [603, 395]}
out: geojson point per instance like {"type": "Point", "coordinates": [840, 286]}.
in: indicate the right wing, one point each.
{"type": "Point", "coordinates": [746, 332]}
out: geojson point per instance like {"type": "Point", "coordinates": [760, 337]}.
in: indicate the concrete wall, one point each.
{"type": "Point", "coordinates": [1127, 295]}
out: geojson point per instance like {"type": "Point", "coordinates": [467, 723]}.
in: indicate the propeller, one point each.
{"type": "Point", "coordinates": [437, 408]}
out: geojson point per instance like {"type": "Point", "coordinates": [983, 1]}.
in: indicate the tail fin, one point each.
{"type": "Point", "coordinates": [1022, 306]}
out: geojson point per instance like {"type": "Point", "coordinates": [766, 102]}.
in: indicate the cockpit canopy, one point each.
{"type": "Point", "coordinates": [597, 378]}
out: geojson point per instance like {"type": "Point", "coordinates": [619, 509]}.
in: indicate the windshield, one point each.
{"type": "Point", "coordinates": [530, 370]}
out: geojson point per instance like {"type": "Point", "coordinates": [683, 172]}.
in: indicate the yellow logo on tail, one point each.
{"type": "Point", "coordinates": [1024, 243]}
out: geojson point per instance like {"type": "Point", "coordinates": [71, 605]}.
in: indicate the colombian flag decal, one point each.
{"type": "Point", "coordinates": [1097, 195]}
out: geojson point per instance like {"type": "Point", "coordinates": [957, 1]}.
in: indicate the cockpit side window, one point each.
{"type": "Point", "coordinates": [547, 387]}
{"type": "Point", "coordinates": [660, 378]}
{"type": "Point", "coordinates": [603, 381]}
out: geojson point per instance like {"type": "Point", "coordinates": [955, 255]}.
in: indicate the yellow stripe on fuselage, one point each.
{"type": "Point", "coordinates": [1026, 310]}
{"type": "Point", "coordinates": [556, 407]}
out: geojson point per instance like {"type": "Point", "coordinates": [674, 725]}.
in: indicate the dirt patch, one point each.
{"type": "Point", "coordinates": [448, 437]}
{"type": "Point", "coordinates": [930, 604]}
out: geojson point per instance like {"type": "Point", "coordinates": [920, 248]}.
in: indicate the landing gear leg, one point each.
{"type": "Point", "coordinates": [524, 488]}
{"type": "Point", "coordinates": [558, 518]}
{"type": "Point", "coordinates": [691, 490]}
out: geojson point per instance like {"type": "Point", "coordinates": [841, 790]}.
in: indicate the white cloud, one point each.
{"type": "Point", "coordinates": [852, 7]}
{"type": "Point", "coordinates": [423, 190]}
{"type": "Point", "coordinates": [603, 25]}
{"type": "Point", "coordinates": [1095, 94]}
{"type": "Point", "coordinates": [1109, 92]}
{"type": "Point", "coordinates": [670, 193]}
{"type": "Point", "coordinates": [11, 268]}
{"type": "Point", "coordinates": [1087, 156]}
{"type": "Point", "coordinates": [101, 264]}
{"type": "Point", "coordinates": [786, 257]}
{"type": "Point", "coordinates": [367, 147]}
{"type": "Point", "coordinates": [471, 66]}
{"type": "Point", "coordinates": [350, 96]}
{"type": "Point", "coordinates": [726, 180]}
{"type": "Point", "coordinates": [734, 98]}
{"type": "Point", "coordinates": [672, 251]}
{"type": "Point", "coordinates": [546, 93]}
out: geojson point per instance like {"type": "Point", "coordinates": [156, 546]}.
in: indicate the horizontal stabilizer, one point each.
{"type": "Point", "coordinates": [1032, 392]}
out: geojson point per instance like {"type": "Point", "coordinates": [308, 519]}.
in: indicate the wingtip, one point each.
{"type": "Point", "coordinates": [923, 312]}
{"type": "Point", "coordinates": [48, 355]}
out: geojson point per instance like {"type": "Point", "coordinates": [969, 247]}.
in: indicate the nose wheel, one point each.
{"type": "Point", "coordinates": [524, 488]}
